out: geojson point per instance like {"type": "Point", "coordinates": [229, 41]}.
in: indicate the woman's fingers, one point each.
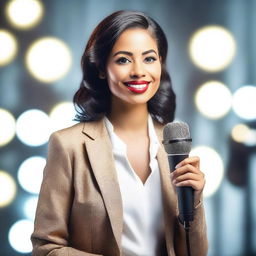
{"type": "Point", "coordinates": [184, 169]}
{"type": "Point", "coordinates": [198, 185]}
{"type": "Point", "coordinates": [195, 161]}
{"type": "Point", "coordinates": [186, 176]}
{"type": "Point", "coordinates": [187, 173]}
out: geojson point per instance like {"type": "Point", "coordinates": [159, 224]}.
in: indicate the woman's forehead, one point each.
{"type": "Point", "coordinates": [135, 39]}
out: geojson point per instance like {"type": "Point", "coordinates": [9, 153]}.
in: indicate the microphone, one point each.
{"type": "Point", "coordinates": [177, 144]}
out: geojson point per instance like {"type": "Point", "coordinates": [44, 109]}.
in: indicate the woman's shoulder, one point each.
{"type": "Point", "coordinates": [78, 130]}
{"type": "Point", "coordinates": [69, 131]}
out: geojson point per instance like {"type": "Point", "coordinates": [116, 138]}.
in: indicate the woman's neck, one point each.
{"type": "Point", "coordinates": [129, 118]}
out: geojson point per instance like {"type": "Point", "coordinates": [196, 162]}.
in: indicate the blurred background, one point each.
{"type": "Point", "coordinates": [212, 60]}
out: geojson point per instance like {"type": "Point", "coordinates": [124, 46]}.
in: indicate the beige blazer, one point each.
{"type": "Point", "coordinates": [79, 210]}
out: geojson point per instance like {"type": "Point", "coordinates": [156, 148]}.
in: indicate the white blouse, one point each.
{"type": "Point", "coordinates": [143, 221]}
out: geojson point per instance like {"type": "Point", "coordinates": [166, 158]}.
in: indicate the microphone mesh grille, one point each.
{"type": "Point", "coordinates": [176, 130]}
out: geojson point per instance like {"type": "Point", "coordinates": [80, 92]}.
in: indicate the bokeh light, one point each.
{"type": "Point", "coordinates": [48, 59]}
{"type": "Point", "coordinates": [212, 48]}
{"type": "Point", "coordinates": [212, 166]}
{"type": "Point", "coordinates": [24, 14]}
{"type": "Point", "coordinates": [19, 236]}
{"type": "Point", "coordinates": [7, 188]}
{"type": "Point", "coordinates": [213, 99]}
{"type": "Point", "coordinates": [62, 115]}
{"type": "Point", "coordinates": [244, 102]}
{"type": "Point", "coordinates": [8, 47]}
{"type": "Point", "coordinates": [33, 127]}
{"type": "Point", "coordinates": [30, 207]}
{"type": "Point", "coordinates": [30, 174]}
{"type": "Point", "coordinates": [241, 133]}
{"type": "Point", "coordinates": [7, 127]}
{"type": "Point", "coordinates": [251, 138]}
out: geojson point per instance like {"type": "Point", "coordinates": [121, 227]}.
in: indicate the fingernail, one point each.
{"type": "Point", "coordinates": [177, 166]}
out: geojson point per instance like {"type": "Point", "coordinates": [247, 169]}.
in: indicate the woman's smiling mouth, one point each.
{"type": "Point", "coordinates": [137, 86]}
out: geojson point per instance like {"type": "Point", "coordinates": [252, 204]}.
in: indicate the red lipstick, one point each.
{"type": "Point", "coordinates": [137, 82]}
{"type": "Point", "coordinates": [137, 86]}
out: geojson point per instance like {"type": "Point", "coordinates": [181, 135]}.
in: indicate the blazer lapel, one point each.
{"type": "Point", "coordinates": [99, 150]}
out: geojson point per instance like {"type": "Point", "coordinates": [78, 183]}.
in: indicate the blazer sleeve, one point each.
{"type": "Point", "coordinates": [51, 234]}
{"type": "Point", "coordinates": [197, 234]}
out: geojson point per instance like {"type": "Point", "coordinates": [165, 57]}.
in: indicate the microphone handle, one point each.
{"type": "Point", "coordinates": [185, 194]}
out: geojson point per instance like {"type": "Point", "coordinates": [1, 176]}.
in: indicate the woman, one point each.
{"type": "Point", "coordinates": [106, 187]}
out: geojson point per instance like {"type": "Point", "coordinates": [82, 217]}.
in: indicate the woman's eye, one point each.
{"type": "Point", "coordinates": [150, 59]}
{"type": "Point", "coordinates": [122, 60]}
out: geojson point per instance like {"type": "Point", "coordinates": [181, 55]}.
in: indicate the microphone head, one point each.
{"type": "Point", "coordinates": [177, 138]}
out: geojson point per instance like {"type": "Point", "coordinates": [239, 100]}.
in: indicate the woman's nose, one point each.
{"type": "Point", "coordinates": [137, 70]}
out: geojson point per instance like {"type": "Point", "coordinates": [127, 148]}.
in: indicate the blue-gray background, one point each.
{"type": "Point", "coordinates": [231, 211]}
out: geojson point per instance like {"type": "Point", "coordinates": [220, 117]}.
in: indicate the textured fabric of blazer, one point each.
{"type": "Point", "coordinates": [79, 211]}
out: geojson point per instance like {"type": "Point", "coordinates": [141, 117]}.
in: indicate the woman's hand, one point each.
{"type": "Point", "coordinates": [187, 173]}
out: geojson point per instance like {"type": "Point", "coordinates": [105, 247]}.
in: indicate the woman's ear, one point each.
{"type": "Point", "coordinates": [102, 75]}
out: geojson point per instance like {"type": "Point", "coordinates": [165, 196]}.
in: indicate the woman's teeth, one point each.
{"type": "Point", "coordinates": [137, 86]}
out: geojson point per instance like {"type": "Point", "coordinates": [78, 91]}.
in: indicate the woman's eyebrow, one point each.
{"type": "Point", "coordinates": [149, 51]}
{"type": "Point", "coordinates": [130, 53]}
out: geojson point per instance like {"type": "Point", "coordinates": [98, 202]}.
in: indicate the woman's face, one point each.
{"type": "Point", "coordinates": [133, 68]}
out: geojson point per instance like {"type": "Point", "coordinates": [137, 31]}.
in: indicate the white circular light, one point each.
{"type": "Point", "coordinates": [19, 236]}
{"type": "Point", "coordinates": [8, 47]}
{"type": "Point", "coordinates": [212, 48]}
{"type": "Point", "coordinates": [244, 102]}
{"type": "Point", "coordinates": [33, 127]}
{"type": "Point", "coordinates": [30, 174]}
{"type": "Point", "coordinates": [30, 207]}
{"type": "Point", "coordinates": [48, 59]}
{"type": "Point", "coordinates": [7, 189]}
{"type": "Point", "coordinates": [62, 116]}
{"type": "Point", "coordinates": [213, 99]}
{"type": "Point", "coordinates": [7, 127]}
{"type": "Point", "coordinates": [240, 132]}
{"type": "Point", "coordinates": [251, 138]}
{"type": "Point", "coordinates": [24, 14]}
{"type": "Point", "coordinates": [212, 166]}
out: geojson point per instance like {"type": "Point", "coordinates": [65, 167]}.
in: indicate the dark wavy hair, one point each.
{"type": "Point", "coordinates": [92, 100]}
